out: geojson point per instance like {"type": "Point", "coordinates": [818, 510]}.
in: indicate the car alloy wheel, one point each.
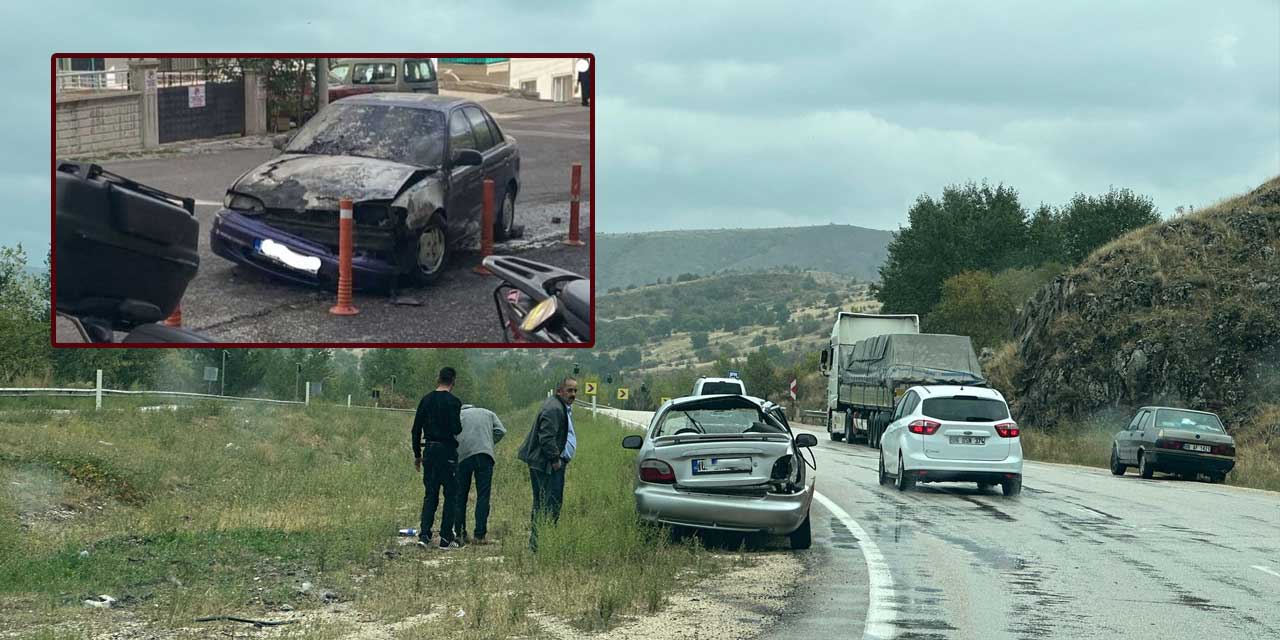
{"type": "Point", "coordinates": [505, 221]}
{"type": "Point", "coordinates": [1144, 467]}
{"type": "Point", "coordinates": [431, 251]}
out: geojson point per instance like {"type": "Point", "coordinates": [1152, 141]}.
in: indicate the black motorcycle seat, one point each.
{"type": "Point", "coordinates": [577, 299]}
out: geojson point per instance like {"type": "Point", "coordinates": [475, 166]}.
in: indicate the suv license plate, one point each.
{"type": "Point", "coordinates": [1202, 448]}
{"type": "Point", "coordinates": [979, 440]}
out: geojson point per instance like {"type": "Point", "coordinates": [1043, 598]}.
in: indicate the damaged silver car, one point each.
{"type": "Point", "coordinates": [414, 165]}
{"type": "Point", "coordinates": [725, 462]}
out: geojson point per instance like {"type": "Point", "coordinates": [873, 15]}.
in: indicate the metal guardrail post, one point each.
{"type": "Point", "coordinates": [97, 393]}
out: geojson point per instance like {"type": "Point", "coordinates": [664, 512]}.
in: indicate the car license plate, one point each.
{"type": "Point", "coordinates": [969, 440]}
{"type": "Point", "coordinates": [702, 466]}
{"type": "Point", "coordinates": [1202, 448]}
{"type": "Point", "coordinates": [281, 254]}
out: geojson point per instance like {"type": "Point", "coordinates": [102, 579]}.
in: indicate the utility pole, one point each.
{"type": "Point", "coordinates": [224, 372]}
{"type": "Point", "coordinates": [322, 83]}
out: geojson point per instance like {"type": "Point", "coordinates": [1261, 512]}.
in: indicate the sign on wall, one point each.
{"type": "Point", "coordinates": [195, 97]}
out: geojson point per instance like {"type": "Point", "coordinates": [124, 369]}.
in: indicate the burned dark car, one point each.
{"type": "Point", "coordinates": [414, 166]}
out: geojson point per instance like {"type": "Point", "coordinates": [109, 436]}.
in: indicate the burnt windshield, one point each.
{"type": "Point", "coordinates": [387, 132]}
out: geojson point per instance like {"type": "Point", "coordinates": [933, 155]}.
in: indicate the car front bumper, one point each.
{"type": "Point", "coordinates": [1177, 462]}
{"type": "Point", "coordinates": [234, 236]}
{"type": "Point", "coordinates": [774, 514]}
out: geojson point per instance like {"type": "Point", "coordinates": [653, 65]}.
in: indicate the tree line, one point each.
{"type": "Point", "coordinates": [968, 260]}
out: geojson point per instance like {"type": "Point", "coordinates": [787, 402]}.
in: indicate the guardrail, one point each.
{"type": "Point", "coordinates": [98, 393]}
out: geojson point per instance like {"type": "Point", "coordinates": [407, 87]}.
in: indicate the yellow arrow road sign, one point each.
{"type": "Point", "coordinates": [623, 393]}
{"type": "Point", "coordinates": [590, 389]}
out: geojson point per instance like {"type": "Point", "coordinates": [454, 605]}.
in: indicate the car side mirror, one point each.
{"type": "Point", "coordinates": [806, 440]}
{"type": "Point", "coordinates": [280, 141]}
{"type": "Point", "coordinates": [468, 158]}
{"type": "Point", "coordinates": [634, 442]}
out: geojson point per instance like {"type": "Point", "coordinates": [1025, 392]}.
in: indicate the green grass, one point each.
{"type": "Point", "coordinates": [213, 511]}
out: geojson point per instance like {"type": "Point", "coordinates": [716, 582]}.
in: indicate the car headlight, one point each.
{"type": "Point", "coordinates": [241, 202]}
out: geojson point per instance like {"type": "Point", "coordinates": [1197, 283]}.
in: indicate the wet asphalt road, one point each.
{"type": "Point", "coordinates": [1080, 554]}
{"type": "Point", "coordinates": [237, 305]}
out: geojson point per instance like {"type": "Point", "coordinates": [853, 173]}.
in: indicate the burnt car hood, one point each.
{"type": "Point", "coordinates": [306, 181]}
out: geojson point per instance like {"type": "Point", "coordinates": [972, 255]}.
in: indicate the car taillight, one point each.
{"type": "Point", "coordinates": [1008, 429]}
{"type": "Point", "coordinates": [657, 471]}
{"type": "Point", "coordinates": [781, 468]}
{"type": "Point", "coordinates": [1225, 450]}
{"type": "Point", "coordinates": [924, 427]}
{"type": "Point", "coordinates": [1168, 444]}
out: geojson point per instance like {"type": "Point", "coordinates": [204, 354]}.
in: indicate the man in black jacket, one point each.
{"type": "Point", "coordinates": [547, 449]}
{"type": "Point", "coordinates": [438, 422]}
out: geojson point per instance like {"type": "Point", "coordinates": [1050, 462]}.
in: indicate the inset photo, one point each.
{"type": "Point", "coordinates": [413, 200]}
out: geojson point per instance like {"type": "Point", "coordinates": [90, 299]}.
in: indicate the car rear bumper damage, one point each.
{"type": "Point", "coordinates": [237, 238]}
{"type": "Point", "coordinates": [775, 514]}
{"type": "Point", "coordinates": [1171, 462]}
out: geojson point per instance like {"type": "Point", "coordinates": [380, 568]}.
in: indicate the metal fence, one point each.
{"type": "Point", "coordinates": [112, 80]}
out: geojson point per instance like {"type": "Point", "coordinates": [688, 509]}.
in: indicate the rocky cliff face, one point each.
{"type": "Point", "coordinates": [1185, 312]}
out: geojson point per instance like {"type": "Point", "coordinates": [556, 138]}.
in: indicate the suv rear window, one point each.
{"type": "Point", "coordinates": [966, 409]}
{"type": "Point", "coordinates": [713, 388]}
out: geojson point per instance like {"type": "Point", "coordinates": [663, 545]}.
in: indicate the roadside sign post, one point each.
{"type": "Point", "coordinates": [97, 393]}
{"type": "Point", "coordinates": [589, 388]}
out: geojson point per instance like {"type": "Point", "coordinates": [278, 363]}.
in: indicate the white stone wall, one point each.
{"type": "Point", "coordinates": [98, 123]}
{"type": "Point", "coordinates": [543, 70]}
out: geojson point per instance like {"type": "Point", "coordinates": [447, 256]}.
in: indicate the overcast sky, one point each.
{"type": "Point", "coordinates": [714, 114]}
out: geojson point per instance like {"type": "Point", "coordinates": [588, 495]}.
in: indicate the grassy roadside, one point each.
{"type": "Point", "coordinates": [1088, 443]}
{"type": "Point", "coordinates": [208, 511]}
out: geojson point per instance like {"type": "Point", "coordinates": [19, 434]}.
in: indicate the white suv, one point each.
{"type": "Point", "coordinates": [716, 386]}
{"type": "Point", "coordinates": [952, 434]}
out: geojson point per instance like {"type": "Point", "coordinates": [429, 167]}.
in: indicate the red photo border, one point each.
{"type": "Point", "coordinates": [53, 262]}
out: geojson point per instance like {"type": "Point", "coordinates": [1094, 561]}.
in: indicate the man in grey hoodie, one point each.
{"type": "Point", "coordinates": [481, 429]}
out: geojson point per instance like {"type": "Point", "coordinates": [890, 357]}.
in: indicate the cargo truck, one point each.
{"type": "Point", "coordinates": [873, 359]}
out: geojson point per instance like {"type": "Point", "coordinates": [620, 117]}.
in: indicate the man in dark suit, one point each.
{"type": "Point", "coordinates": [547, 450]}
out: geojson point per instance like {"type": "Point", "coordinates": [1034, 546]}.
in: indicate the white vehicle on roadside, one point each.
{"type": "Point", "coordinates": [714, 386]}
{"type": "Point", "coordinates": [952, 434]}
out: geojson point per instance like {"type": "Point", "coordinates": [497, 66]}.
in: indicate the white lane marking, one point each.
{"type": "Point", "coordinates": [1266, 570]}
{"type": "Point", "coordinates": [208, 203]}
{"type": "Point", "coordinates": [880, 621]}
{"type": "Point", "coordinates": [880, 617]}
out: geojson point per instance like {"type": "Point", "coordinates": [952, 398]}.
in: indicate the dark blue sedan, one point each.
{"type": "Point", "coordinates": [414, 165]}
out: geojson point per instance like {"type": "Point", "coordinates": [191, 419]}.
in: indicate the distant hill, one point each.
{"type": "Point", "coordinates": [627, 259]}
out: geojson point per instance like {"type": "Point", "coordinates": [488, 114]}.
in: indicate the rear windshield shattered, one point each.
{"type": "Point", "coordinates": [966, 409]}
{"type": "Point", "coordinates": [400, 134]}
{"type": "Point", "coordinates": [717, 422]}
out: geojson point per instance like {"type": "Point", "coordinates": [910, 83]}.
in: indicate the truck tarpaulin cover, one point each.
{"type": "Point", "coordinates": [918, 358]}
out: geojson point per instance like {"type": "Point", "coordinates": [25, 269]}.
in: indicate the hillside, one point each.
{"type": "Point", "coordinates": [692, 323]}
{"type": "Point", "coordinates": [1184, 312]}
{"type": "Point", "coordinates": [642, 258]}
